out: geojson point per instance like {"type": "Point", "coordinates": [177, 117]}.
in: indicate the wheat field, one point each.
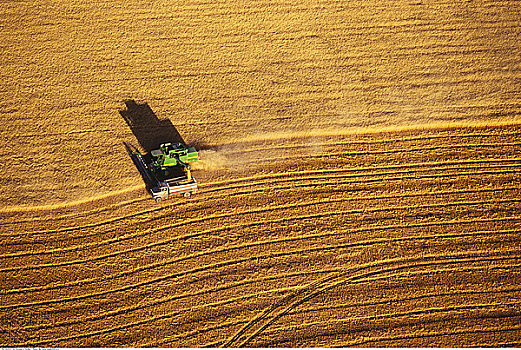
{"type": "Point", "coordinates": [359, 175]}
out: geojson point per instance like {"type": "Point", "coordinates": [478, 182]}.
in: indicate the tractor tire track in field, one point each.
{"type": "Point", "coordinates": [362, 177]}
{"type": "Point", "coordinates": [359, 175]}
{"type": "Point", "coordinates": [362, 323]}
{"type": "Point", "coordinates": [414, 312]}
{"type": "Point", "coordinates": [315, 288]}
{"type": "Point", "coordinates": [241, 213]}
{"type": "Point", "coordinates": [178, 297]}
{"type": "Point", "coordinates": [300, 174]}
{"type": "Point", "coordinates": [179, 274]}
{"type": "Point", "coordinates": [399, 219]}
{"type": "Point", "coordinates": [397, 300]}
{"type": "Point", "coordinates": [250, 296]}
{"type": "Point", "coordinates": [373, 279]}
{"type": "Point", "coordinates": [365, 152]}
{"type": "Point", "coordinates": [248, 224]}
{"type": "Point", "coordinates": [362, 281]}
{"type": "Point", "coordinates": [457, 313]}
{"type": "Point", "coordinates": [145, 232]}
{"type": "Point", "coordinates": [254, 244]}
{"type": "Point", "coordinates": [423, 335]}
{"type": "Point", "coordinates": [325, 174]}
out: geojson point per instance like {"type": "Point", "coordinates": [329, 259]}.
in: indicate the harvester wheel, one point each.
{"type": "Point", "coordinates": [158, 200]}
{"type": "Point", "coordinates": [187, 194]}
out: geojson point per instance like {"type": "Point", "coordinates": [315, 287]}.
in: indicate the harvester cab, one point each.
{"type": "Point", "coordinates": [174, 154]}
{"type": "Point", "coordinates": [169, 170]}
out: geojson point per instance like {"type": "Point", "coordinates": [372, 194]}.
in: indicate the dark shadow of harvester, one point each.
{"type": "Point", "coordinates": [165, 165]}
{"type": "Point", "coordinates": [149, 130]}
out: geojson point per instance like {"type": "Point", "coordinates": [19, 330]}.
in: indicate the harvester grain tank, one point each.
{"type": "Point", "coordinates": [167, 170]}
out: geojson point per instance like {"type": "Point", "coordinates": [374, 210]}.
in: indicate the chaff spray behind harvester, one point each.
{"type": "Point", "coordinates": [167, 170]}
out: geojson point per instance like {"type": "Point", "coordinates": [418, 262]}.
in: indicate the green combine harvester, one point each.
{"type": "Point", "coordinates": [174, 154]}
{"type": "Point", "coordinates": [168, 171]}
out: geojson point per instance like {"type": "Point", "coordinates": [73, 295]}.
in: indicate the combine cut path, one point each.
{"type": "Point", "coordinates": [390, 239]}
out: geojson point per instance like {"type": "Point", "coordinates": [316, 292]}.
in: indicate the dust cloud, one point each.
{"type": "Point", "coordinates": [210, 159]}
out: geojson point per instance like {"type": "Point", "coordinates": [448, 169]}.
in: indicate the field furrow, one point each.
{"type": "Point", "coordinates": [359, 173]}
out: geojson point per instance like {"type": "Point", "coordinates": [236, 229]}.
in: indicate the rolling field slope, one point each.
{"type": "Point", "coordinates": [360, 174]}
{"type": "Point", "coordinates": [380, 239]}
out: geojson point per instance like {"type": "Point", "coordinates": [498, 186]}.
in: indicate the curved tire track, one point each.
{"type": "Point", "coordinates": [315, 288]}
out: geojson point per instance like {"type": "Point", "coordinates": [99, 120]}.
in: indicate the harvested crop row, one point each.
{"type": "Point", "coordinates": [322, 218]}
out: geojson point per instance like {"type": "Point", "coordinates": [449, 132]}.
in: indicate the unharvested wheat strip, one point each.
{"type": "Point", "coordinates": [288, 289]}
{"type": "Point", "coordinates": [269, 209]}
{"type": "Point", "coordinates": [221, 264]}
{"type": "Point", "coordinates": [384, 83]}
{"type": "Point", "coordinates": [394, 27]}
{"type": "Point", "coordinates": [408, 337]}
{"type": "Point", "coordinates": [434, 127]}
{"type": "Point", "coordinates": [387, 151]}
{"type": "Point", "coordinates": [368, 142]}
{"type": "Point", "coordinates": [68, 132]}
{"type": "Point", "coordinates": [418, 27]}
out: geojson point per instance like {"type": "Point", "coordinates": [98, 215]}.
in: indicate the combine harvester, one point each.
{"type": "Point", "coordinates": [167, 170]}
